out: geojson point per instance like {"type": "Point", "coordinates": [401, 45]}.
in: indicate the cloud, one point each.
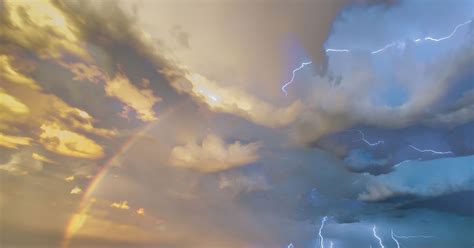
{"type": "Point", "coordinates": [140, 100]}
{"type": "Point", "coordinates": [42, 27]}
{"type": "Point", "coordinates": [240, 183]}
{"type": "Point", "coordinates": [42, 158]}
{"type": "Point", "coordinates": [12, 104]}
{"type": "Point", "coordinates": [214, 155]}
{"type": "Point", "coordinates": [120, 205]}
{"type": "Point", "coordinates": [69, 143]}
{"type": "Point", "coordinates": [440, 177]}
{"type": "Point", "coordinates": [21, 163]}
{"type": "Point", "coordinates": [238, 102]}
{"type": "Point", "coordinates": [76, 190]}
{"type": "Point", "coordinates": [69, 178]}
{"type": "Point", "coordinates": [408, 89]}
{"type": "Point", "coordinates": [13, 141]}
{"type": "Point", "coordinates": [8, 73]}
{"type": "Point", "coordinates": [140, 211]}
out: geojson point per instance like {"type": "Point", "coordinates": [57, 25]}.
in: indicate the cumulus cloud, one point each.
{"type": "Point", "coordinates": [213, 154]}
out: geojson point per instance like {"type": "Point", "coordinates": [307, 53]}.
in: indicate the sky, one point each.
{"type": "Point", "coordinates": [237, 124]}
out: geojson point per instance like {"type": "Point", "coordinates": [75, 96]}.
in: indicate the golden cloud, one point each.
{"type": "Point", "coordinates": [13, 141]}
{"type": "Point", "coordinates": [12, 104]}
{"type": "Point", "coordinates": [141, 100]}
{"type": "Point", "coordinates": [8, 73]}
{"type": "Point", "coordinates": [68, 143]}
{"type": "Point", "coordinates": [76, 191]}
{"type": "Point", "coordinates": [69, 178]}
{"type": "Point", "coordinates": [213, 155]}
{"type": "Point", "coordinates": [42, 158]}
{"type": "Point", "coordinates": [41, 27]}
{"type": "Point", "coordinates": [120, 205]}
{"type": "Point", "coordinates": [236, 101]}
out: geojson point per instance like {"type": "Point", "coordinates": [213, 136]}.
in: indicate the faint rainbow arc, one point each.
{"type": "Point", "coordinates": [79, 217]}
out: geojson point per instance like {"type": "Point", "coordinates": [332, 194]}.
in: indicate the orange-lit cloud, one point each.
{"type": "Point", "coordinates": [213, 154]}
{"type": "Point", "coordinates": [65, 142]}
{"type": "Point", "coordinates": [140, 211]}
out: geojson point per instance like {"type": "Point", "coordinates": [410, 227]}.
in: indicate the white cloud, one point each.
{"type": "Point", "coordinates": [213, 154]}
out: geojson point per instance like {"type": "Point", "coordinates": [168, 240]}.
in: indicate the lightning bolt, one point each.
{"type": "Point", "coordinates": [368, 142]}
{"type": "Point", "coordinates": [321, 238]}
{"type": "Point", "coordinates": [414, 237]}
{"type": "Point", "coordinates": [445, 37]}
{"type": "Point", "coordinates": [394, 239]}
{"type": "Point", "coordinates": [428, 150]}
{"type": "Point", "coordinates": [374, 231]}
{"type": "Point", "coordinates": [293, 75]}
{"type": "Point", "coordinates": [384, 48]}
{"type": "Point", "coordinates": [402, 44]}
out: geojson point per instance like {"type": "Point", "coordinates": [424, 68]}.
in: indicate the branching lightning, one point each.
{"type": "Point", "coordinates": [445, 37]}
{"type": "Point", "coordinates": [414, 236]}
{"type": "Point", "coordinates": [432, 151]}
{"type": "Point", "coordinates": [293, 75]}
{"type": "Point", "coordinates": [374, 231]}
{"type": "Point", "coordinates": [321, 238]}
{"type": "Point", "coordinates": [394, 239]}
{"type": "Point", "coordinates": [402, 44]}
{"type": "Point", "coordinates": [377, 51]}
{"type": "Point", "coordinates": [379, 142]}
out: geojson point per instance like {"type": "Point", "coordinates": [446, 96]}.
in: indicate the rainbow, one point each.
{"type": "Point", "coordinates": [78, 219]}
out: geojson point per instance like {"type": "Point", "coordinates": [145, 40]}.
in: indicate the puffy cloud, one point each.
{"type": "Point", "coordinates": [214, 155]}
{"type": "Point", "coordinates": [76, 190]}
{"type": "Point", "coordinates": [68, 143]}
{"type": "Point", "coordinates": [120, 205]}
{"type": "Point", "coordinates": [140, 100]}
